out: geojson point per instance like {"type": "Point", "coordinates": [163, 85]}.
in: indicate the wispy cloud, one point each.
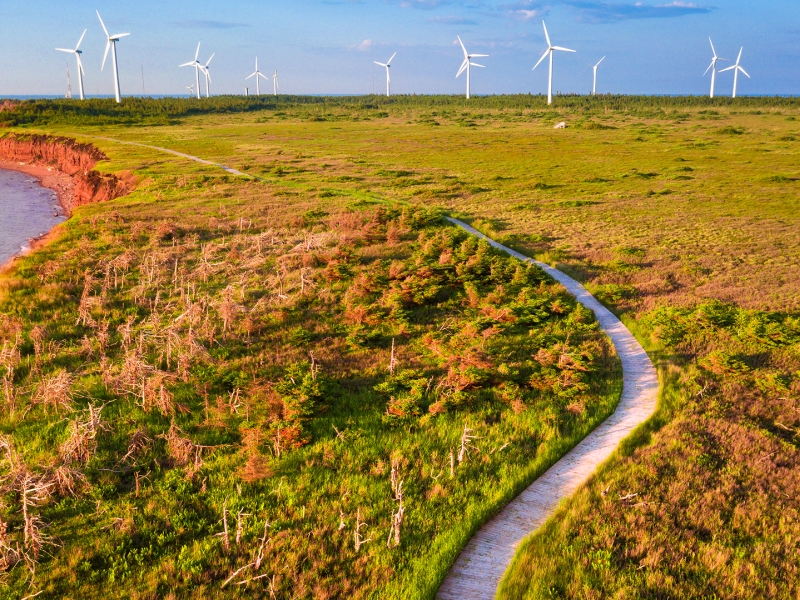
{"type": "Point", "coordinates": [611, 12]}
{"type": "Point", "coordinates": [202, 24]}
{"type": "Point", "coordinates": [363, 46]}
{"type": "Point", "coordinates": [452, 20]}
{"type": "Point", "coordinates": [424, 4]}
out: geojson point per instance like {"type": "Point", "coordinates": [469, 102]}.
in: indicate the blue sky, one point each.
{"type": "Point", "coordinates": [327, 46]}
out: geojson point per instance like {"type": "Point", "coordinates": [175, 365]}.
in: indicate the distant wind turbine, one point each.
{"type": "Point", "coordinates": [467, 63]}
{"type": "Point", "coordinates": [77, 52]}
{"type": "Point", "coordinates": [550, 50]}
{"type": "Point", "coordinates": [736, 68]}
{"type": "Point", "coordinates": [257, 74]}
{"type": "Point", "coordinates": [197, 66]}
{"type": "Point", "coordinates": [207, 73]}
{"type": "Point", "coordinates": [275, 84]}
{"type": "Point", "coordinates": [388, 65]}
{"type": "Point", "coordinates": [594, 83]}
{"type": "Point", "coordinates": [191, 90]}
{"type": "Point", "coordinates": [713, 67]}
{"type": "Point", "coordinates": [112, 43]}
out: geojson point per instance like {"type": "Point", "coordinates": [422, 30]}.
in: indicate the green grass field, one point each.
{"type": "Point", "coordinates": [239, 333]}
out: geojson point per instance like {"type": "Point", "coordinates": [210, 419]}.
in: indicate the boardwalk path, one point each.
{"type": "Point", "coordinates": [480, 566]}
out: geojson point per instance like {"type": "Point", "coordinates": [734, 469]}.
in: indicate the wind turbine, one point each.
{"type": "Point", "coordinates": [736, 68]}
{"type": "Point", "coordinates": [197, 66]}
{"type": "Point", "coordinates": [257, 74]}
{"type": "Point", "coordinates": [550, 50]}
{"type": "Point", "coordinates": [466, 64]}
{"type": "Point", "coordinates": [77, 52]}
{"type": "Point", "coordinates": [112, 43]}
{"type": "Point", "coordinates": [594, 83]}
{"type": "Point", "coordinates": [191, 90]}
{"type": "Point", "coordinates": [388, 65]}
{"type": "Point", "coordinates": [713, 67]}
{"type": "Point", "coordinates": [206, 72]}
{"type": "Point", "coordinates": [275, 83]}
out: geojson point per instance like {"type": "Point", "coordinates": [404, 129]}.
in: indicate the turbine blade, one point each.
{"type": "Point", "coordinates": [740, 55]}
{"type": "Point", "coordinates": [388, 62]}
{"type": "Point", "coordinates": [80, 63]}
{"type": "Point", "coordinates": [116, 36]}
{"type": "Point", "coordinates": [709, 67]}
{"type": "Point", "coordinates": [65, 50]}
{"type": "Point", "coordinates": [599, 61]}
{"type": "Point", "coordinates": [546, 52]}
{"type": "Point", "coordinates": [477, 65]}
{"type": "Point", "coordinates": [462, 46]}
{"type": "Point", "coordinates": [563, 49]}
{"type": "Point", "coordinates": [209, 60]}
{"type": "Point", "coordinates": [80, 40]}
{"type": "Point", "coordinates": [264, 76]}
{"type": "Point", "coordinates": [253, 75]}
{"type": "Point", "coordinates": [712, 47]}
{"type": "Point", "coordinates": [463, 67]}
{"type": "Point", "coordinates": [103, 25]}
{"type": "Point", "coordinates": [546, 36]}
{"type": "Point", "coordinates": [189, 64]}
{"type": "Point", "coordinates": [105, 56]}
{"type": "Point", "coordinates": [744, 72]}
{"type": "Point", "coordinates": [478, 55]}
{"type": "Point", "coordinates": [197, 52]}
{"type": "Point", "coordinates": [728, 69]}
{"type": "Point", "coordinates": [381, 64]}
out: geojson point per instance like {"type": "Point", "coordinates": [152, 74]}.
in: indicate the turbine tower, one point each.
{"type": "Point", "coordinates": [713, 67]}
{"type": "Point", "coordinates": [257, 74]}
{"type": "Point", "coordinates": [736, 68]}
{"type": "Point", "coordinates": [594, 83]}
{"type": "Point", "coordinates": [550, 50]}
{"type": "Point", "coordinates": [207, 73]}
{"type": "Point", "coordinates": [77, 52]}
{"type": "Point", "coordinates": [467, 63]}
{"type": "Point", "coordinates": [197, 66]}
{"type": "Point", "coordinates": [388, 65]}
{"type": "Point", "coordinates": [275, 84]}
{"type": "Point", "coordinates": [112, 43]}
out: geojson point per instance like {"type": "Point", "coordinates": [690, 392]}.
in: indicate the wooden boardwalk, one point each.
{"type": "Point", "coordinates": [478, 569]}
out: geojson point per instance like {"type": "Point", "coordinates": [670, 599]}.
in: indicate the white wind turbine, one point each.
{"type": "Point", "coordinates": [388, 65]}
{"type": "Point", "coordinates": [207, 73]}
{"type": "Point", "coordinates": [77, 52]}
{"type": "Point", "coordinates": [191, 90]}
{"type": "Point", "coordinates": [275, 83]}
{"type": "Point", "coordinates": [468, 63]}
{"type": "Point", "coordinates": [713, 67]}
{"type": "Point", "coordinates": [112, 43]}
{"type": "Point", "coordinates": [197, 66]}
{"type": "Point", "coordinates": [594, 82]}
{"type": "Point", "coordinates": [736, 68]}
{"type": "Point", "coordinates": [257, 74]}
{"type": "Point", "coordinates": [550, 50]}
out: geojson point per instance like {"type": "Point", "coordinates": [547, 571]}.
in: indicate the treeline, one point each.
{"type": "Point", "coordinates": [102, 111]}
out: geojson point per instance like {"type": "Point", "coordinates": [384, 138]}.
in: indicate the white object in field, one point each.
{"type": "Point", "coordinates": [549, 51]}
{"type": "Point", "coordinates": [713, 67]}
{"type": "Point", "coordinates": [388, 65]}
{"type": "Point", "coordinates": [207, 73]}
{"type": "Point", "coordinates": [111, 42]}
{"type": "Point", "coordinates": [191, 90]}
{"type": "Point", "coordinates": [275, 84]}
{"type": "Point", "coordinates": [257, 74]}
{"type": "Point", "coordinates": [594, 83]}
{"type": "Point", "coordinates": [561, 125]}
{"type": "Point", "coordinates": [465, 66]}
{"type": "Point", "coordinates": [197, 66]}
{"type": "Point", "coordinates": [77, 52]}
{"type": "Point", "coordinates": [246, 91]}
{"type": "Point", "coordinates": [736, 68]}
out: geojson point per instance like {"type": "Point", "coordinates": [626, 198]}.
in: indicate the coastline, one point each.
{"type": "Point", "coordinates": [58, 181]}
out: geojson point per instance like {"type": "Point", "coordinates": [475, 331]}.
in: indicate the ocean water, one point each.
{"type": "Point", "coordinates": [27, 211]}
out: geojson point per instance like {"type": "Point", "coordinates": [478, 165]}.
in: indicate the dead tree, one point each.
{"type": "Point", "coordinates": [359, 541]}
{"type": "Point", "coordinates": [466, 444]}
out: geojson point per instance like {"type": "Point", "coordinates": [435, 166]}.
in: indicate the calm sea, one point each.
{"type": "Point", "coordinates": [27, 211]}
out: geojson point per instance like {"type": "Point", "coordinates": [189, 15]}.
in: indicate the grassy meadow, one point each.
{"type": "Point", "coordinates": [219, 373]}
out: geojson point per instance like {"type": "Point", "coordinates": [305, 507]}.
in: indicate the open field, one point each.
{"type": "Point", "coordinates": [680, 214]}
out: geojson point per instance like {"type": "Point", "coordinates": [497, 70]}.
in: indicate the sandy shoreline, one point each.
{"type": "Point", "coordinates": [58, 181]}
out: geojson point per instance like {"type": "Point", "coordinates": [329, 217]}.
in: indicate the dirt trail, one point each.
{"type": "Point", "coordinates": [480, 566]}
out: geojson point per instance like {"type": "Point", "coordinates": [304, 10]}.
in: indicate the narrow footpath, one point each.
{"type": "Point", "coordinates": [478, 569]}
{"type": "Point", "coordinates": [477, 572]}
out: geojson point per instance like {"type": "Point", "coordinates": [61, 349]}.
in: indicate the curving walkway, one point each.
{"type": "Point", "coordinates": [478, 569]}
